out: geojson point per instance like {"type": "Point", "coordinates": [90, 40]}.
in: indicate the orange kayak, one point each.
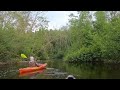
{"type": "Point", "coordinates": [31, 73]}
{"type": "Point", "coordinates": [31, 69]}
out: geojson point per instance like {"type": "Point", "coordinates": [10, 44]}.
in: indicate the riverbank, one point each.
{"type": "Point", "coordinates": [21, 62]}
{"type": "Point", "coordinates": [74, 62]}
{"type": "Point", "coordinates": [98, 61]}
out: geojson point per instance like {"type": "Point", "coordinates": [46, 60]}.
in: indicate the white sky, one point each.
{"type": "Point", "coordinates": [58, 18]}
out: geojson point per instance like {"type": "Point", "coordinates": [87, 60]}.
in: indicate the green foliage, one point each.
{"type": "Point", "coordinates": [99, 42]}
{"type": "Point", "coordinates": [85, 54]}
{"type": "Point", "coordinates": [83, 40]}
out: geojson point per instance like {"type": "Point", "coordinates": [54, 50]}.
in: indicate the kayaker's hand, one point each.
{"type": "Point", "coordinates": [37, 64]}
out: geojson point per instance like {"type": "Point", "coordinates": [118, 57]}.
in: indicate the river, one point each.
{"type": "Point", "coordinates": [57, 69]}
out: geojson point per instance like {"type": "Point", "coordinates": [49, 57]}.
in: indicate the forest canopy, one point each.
{"type": "Point", "coordinates": [90, 36]}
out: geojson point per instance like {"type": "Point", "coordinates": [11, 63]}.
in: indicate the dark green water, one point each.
{"type": "Point", "coordinates": [60, 70]}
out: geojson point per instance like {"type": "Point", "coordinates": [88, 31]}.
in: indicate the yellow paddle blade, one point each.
{"type": "Point", "coordinates": [23, 56]}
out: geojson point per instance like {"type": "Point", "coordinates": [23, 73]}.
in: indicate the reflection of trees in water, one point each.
{"type": "Point", "coordinates": [57, 70]}
{"type": "Point", "coordinates": [92, 70]}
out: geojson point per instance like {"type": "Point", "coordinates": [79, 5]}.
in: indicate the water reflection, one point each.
{"type": "Point", "coordinates": [60, 70]}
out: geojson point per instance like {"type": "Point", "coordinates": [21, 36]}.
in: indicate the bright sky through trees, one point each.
{"type": "Point", "coordinates": [58, 18]}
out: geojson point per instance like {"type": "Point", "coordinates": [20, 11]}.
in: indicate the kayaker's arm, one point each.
{"type": "Point", "coordinates": [36, 64]}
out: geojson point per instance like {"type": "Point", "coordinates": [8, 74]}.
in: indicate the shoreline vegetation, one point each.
{"type": "Point", "coordinates": [82, 40]}
{"type": "Point", "coordinates": [22, 62]}
{"type": "Point", "coordinates": [73, 62]}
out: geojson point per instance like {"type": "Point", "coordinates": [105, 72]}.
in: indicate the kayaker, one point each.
{"type": "Point", "coordinates": [32, 62]}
